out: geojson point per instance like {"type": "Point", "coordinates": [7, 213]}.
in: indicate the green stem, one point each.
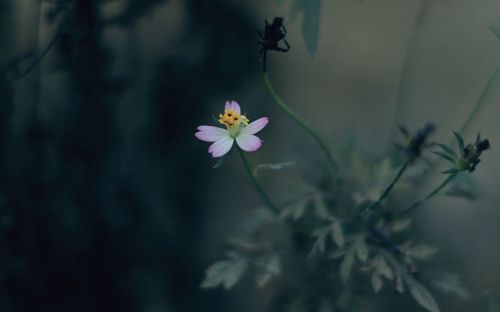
{"type": "Point", "coordinates": [300, 121]}
{"type": "Point", "coordinates": [409, 63]}
{"type": "Point", "coordinates": [390, 186]}
{"type": "Point", "coordinates": [482, 99]}
{"type": "Point", "coordinates": [256, 183]}
{"type": "Point", "coordinates": [426, 198]}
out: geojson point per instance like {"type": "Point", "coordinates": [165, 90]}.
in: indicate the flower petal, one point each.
{"type": "Point", "coordinates": [255, 126]}
{"type": "Point", "coordinates": [235, 107]}
{"type": "Point", "coordinates": [221, 146]}
{"type": "Point", "coordinates": [227, 106]}
{"type": "Point", "coordinates": [248, 142]}
{"type": "Point", "coordinates": [211, 134]}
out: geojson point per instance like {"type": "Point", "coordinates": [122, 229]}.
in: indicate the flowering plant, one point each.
{"type": "Point", "coordinates": [347, 230]}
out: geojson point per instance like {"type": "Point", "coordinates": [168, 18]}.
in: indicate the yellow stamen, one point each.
{"type": "Point", "coordinates": [232, 119]}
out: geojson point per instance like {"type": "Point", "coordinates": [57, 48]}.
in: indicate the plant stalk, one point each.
{"type": "Point", "coordinates": [426, 198]}
{"type": "Point", "coordinates": [267, 200]}
{"type": "Point", "coordinates": [301, 122]}
{"type": "Point", "coordinates": [389, 187]}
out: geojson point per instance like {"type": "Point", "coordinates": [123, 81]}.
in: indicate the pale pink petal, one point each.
{"type": "Point", "coordinates": [255, 126]}
{"type": "Point", "coordinates": [211, 134]}
{"type": "Point", "coordinates": [235, 107]}
{"type": "Point", "coordinates": [248, 142]}
{"type": "Point", "coordinates": [221, 146]}
{"type": "Point", "coordinates": [227, 106]}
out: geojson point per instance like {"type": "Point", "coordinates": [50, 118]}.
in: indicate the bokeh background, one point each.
{"type": "Point", "coordinates": [107, 201]}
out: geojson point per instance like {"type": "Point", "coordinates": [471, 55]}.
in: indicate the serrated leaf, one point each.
{"type": "Point", "coordinates": [345, 267]}
{"type": "Point", "coordinates": [295, 210]}
{"type": "Point", "coordinates": [400, 225]}
{"type": "Point", "coordinates": [361, 249]}
{"type": "Point", "coordinates": [460, 141]}
{"type": "Point", "coordinates": [448, 150]}
{"type": "Point", "coordinates": [321, 209]}
{"type": "Point", "coordinates": [319, 245]}
{"type": "Point", "coordinates": [445, 156]}
{"type": "Point", "coordinates": [421, 295]}
{"type": "Point", "coordinates": [422, 251]}
{"type": "Point", "coordinates": [337, 234]}
{"type": "Point", "coordinates": [377, 282]}
{"type": "Point", "coordinates": [273, 166]}
{"type": "Point", "coordinates": [226, 272]}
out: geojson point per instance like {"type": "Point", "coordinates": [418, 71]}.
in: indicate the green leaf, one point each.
{"type": "Point", "coordinates": [345, 267]}
{"type": "Point", "coordinates": [377, 282]}
{"type": "Point", "coordinates": [321, 209]}
{"type": "Point", "coordinates": [422, 251]}
{"type": "Point", "coordinates": [400, 288]}
{"type": "Point", "coordinates": [339, 253]}
{"type": "Point", "coordinates": [271, 266]}
{"type": "Point", "coordinates": [449, 283]}
{"type": "Point", "coordinates": [310, 10]}
{"type": "Point", "coordinates": [361, 249]}
{"type": "Point", "coordinates": [320, 243]}
{"type": "Point", "coordinates": [460, 141]}
{"type": "Point", "coordinates": [295, 210]}
{"type": "Point", "coordinates": [400, 225]}
{"type": "Point", "coordinates": [337, 233]}
{"type": "Point", "coordinates": [495, 30]}
{"type": "Point", "coordinates": [448, 150]}
{"type": "Point", "coordinates": [450, 171]}
{"type": "Point", "coordinates": [464, 186]}
{"type": "Point", "coordinates": [384, 269]}
{"type": "Point", "coordinates": [421, 295]}
{"type": "Point", "coordinates": [445, 156]}
{"type": "Point", "coordinates": [226, 272]}
{"type": "Point", "coordinates": [263, 278]}
{"type": "Point", "coordinates": [273, 166]}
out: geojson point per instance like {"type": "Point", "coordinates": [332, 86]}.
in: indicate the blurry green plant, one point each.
{"type": "Point", "coordinates": [325, 248]}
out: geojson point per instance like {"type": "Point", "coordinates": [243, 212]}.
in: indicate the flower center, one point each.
{"type": "Point", "coordinates": [232, 119]}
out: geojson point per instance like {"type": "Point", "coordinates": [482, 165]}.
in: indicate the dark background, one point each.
{"type": "Point", "coordinates": [107, 201]}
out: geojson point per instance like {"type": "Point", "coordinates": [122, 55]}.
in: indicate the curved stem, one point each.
{"type": "Point", "coordinates": [482, 99]}
{"type": "Point", "coordinates": [390, 186]}
{"type": "Point", "coordinates": [256, 183]}
{"type": "Point", "coordinates": [301, 122]}
{"type": "Point", "coordinates": [409, 63]}
{"type": "Point", "coordinates": [426, 198]}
